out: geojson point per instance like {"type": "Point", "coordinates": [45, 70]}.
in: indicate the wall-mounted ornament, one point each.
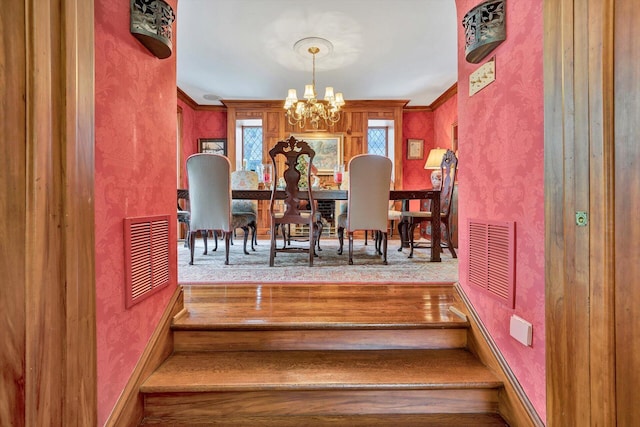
{"type": "Point", "coordinates": [484, 29]}
{"type": "Point", "coordinates": [151, 24]}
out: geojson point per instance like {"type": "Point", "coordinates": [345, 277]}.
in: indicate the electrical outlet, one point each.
{"type": "Point", "coordinates": [521, 330]}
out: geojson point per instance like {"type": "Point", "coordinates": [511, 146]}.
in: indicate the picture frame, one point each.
{"type": "Point", "coordinates": [212, 145]}
{"type": "Point", "coordinates": [415, 149]}
{"type": "Point", "coordinates": [328, 148]}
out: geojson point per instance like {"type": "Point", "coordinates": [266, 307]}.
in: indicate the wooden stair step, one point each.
{"type": "Point", "coordinates": [327, 339]}
{"type": "Point", "coordinates": [299, 370]}
{"type": "Point", "coordinates": [307, 306]}
{"type": "Point", "coordinates": [379, 420]}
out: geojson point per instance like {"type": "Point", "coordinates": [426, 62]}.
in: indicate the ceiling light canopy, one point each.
{"type": "Point", "coordinates": [313, 110]}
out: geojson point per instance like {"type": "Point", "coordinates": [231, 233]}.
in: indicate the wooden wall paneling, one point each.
{"type": "Point", "coordinates": [13, 205]}
{"type": "Point", "coordinates": [48, 297]}
{"type": "Point", "coordinates": [626, 206]}
{"type": "Point", "coordinates": [567, 331]}
{"type": "Point", "coordinates": [578, 177]}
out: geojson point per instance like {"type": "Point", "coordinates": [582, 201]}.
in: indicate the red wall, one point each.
{"type": "Point", "coordinates": [434, 128]}
{"type": "Point", "coordinates": [501, 150]}
{"type": "Point", "coordinates": [135, 162]}
{"type": "Point", "coordinates": [196, 125]}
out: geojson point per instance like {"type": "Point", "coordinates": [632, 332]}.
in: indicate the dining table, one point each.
{"type": "Point", "coordinates": [330, 194]}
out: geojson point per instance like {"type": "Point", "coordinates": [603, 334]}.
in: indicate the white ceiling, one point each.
{"type": "Point", "coordinates": [382, 49]}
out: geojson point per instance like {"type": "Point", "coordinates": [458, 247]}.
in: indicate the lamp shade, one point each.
{"type": "Point", "coordinates": [434, 160]}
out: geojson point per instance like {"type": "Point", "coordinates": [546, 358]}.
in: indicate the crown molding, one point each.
{"type": "Point", "coordinates": [351, 104]}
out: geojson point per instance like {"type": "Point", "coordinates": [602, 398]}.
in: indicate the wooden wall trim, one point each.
{"type": "Point", "coordinates": [129, 409]}
{"type": "Point", "coordinates": [579, 276]}
{"type": "Point", "coordinates": [514, 405]}
{"type": "Point", "coordinates": [48, 297]}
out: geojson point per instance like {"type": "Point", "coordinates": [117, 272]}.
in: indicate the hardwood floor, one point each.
{"type": "Point", "coordinates": [321, 355]}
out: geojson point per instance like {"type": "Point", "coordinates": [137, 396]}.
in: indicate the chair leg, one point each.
{"type": "Point", "coordinates": [365, 237]}
{"type": "Point", "coordinates": [412, 227]}
{"type": "Point", "coordinates": [402, 232]}
{"type": "Point", "coordinates": [254, 239]}
{"type": "Point", "coordinates": [350, 233]}
{"type": "Point", "coordinates": [272, 249]}
{"type": "Point", "coordinates": [449, 242]}
{"type": "Point", "coordinates": [192, 244]}
{"type": "Point", "coordinates": [319, 228]}
{"type": "Point", "coordinates": [340, 239]}
{"type": "Point", "coordinates": [312, 243]}
{"type": "Point", "coordinates": [384, 248]}
{"type": "Point", "coordinates": [227, 241]}
{"type": "Point", "coordinates": [246, 236]}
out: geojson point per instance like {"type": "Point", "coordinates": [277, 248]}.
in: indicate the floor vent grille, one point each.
{"type": "Point", "coordinates": [146, 246]}
{"type": "Point", "coordinates": [492, 258]}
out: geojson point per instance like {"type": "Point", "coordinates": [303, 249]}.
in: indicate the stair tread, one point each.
{"type": "Point", "coordinates": [309, 370]}
{"type": "Point", "coordinates": [309, 306]}
{"type": "Point", "coordinates": [379, 420]}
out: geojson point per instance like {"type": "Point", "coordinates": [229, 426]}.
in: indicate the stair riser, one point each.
{"type": "Point", "coordinates": [197, 406]}
{"type": "Point", "coordinates": [357, 339]}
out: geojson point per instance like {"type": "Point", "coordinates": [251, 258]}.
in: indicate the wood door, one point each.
{"type": "Point", "coordinates": [591, 166]}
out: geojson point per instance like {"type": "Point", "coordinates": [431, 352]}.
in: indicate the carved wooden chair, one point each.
{"type": "Point", "coordinates": [368, 202]}
{"type": "Point", "coordinates": [291, 150]}
{"type": "Point", "coordinates": [411, 219]}
{"type": "Point", "coordinates": [209, 197]}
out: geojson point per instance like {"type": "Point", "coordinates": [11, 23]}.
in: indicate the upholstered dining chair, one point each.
{"type": "Point", "coordinates": [291, 150]}
{"type": "Point", "coordinates": [368, 200]}
{"type": "Point", "coordinates": [184, 216]}
{"type": "Point", "coordinates": [245, 212]}
{"type": "Point", "coordinates": [411, 219]}
{"type": "Point", "coordinates": [209, 197]}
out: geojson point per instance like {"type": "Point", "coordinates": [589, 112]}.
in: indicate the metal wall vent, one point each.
{"type": "Point", "coordinates": [492, 258]}
{"type": "Point", "coordinates": [146, 253]}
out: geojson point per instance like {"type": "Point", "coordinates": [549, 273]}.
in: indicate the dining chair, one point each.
{"type": "Point", "coordinates": [291, 150]}
{"type": "Point", "coordinates": [368, 200]}
{"type": "Point", "coordinates": [184, 216]}
{"type": "Point", "coordinates": [245, 212]}
{"type": "Point", "coordinates": [411, 219]}
{"type": "Point", "coordinates": [209, 197]}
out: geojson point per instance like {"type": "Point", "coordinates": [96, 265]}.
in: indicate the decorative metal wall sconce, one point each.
{"type": "Point", "coordinates": [151, 24]}
{"type": "Point", "coordinates": [484, 29]}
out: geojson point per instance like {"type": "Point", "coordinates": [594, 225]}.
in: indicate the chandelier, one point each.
{"type": "Point", "coordinates": [312, 109]}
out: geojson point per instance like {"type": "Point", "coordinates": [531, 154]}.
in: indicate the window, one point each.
{"type": "Point", "coordinates": [252, 146]}
{"type": "Point", "coordinates": [377, 141]}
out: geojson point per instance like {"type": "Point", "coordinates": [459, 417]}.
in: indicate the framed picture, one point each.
{"type": "Point", "coordinates": [212, 145]}
{"type": "Point", "coordinates": [415, 149]}
{"type": "Point", "coordinates": [328, 148]}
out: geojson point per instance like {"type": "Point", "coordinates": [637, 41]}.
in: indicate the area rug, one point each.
{"type": "Point", "coordinates": [328, 267]}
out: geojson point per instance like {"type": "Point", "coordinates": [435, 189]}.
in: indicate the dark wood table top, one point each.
{"type": "Point", "coordinates": [326, 194]}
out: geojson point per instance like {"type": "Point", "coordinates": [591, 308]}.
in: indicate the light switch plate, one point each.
{"type": "Point", "coordinates": [521, 330]}
{"type": "Point", "coordinates": [483, 76]}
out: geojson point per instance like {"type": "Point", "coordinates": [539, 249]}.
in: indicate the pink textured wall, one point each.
{"type": "Point", "coordinates": [501, 148]}
{"type": "Point", "coordinates": [135, 161]}
{"type": "Point", "coordinates": [416, 125]}
{"type": "Point", "coordinates": [434, 128]}
{"type": "Point", "coordinates": [199, 124]}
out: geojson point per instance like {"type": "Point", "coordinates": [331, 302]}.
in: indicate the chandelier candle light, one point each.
{"type": "Point", "coordinates": [313, 110]}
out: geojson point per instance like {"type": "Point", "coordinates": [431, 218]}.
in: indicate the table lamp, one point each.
{"type": "Point", "coordinates": [434, 160]}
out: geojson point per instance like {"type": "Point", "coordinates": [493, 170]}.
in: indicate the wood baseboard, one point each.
{"type": "Point", "coordinates": [129, 409]}
{"type": "Point", "coordinates": [514, 405]}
